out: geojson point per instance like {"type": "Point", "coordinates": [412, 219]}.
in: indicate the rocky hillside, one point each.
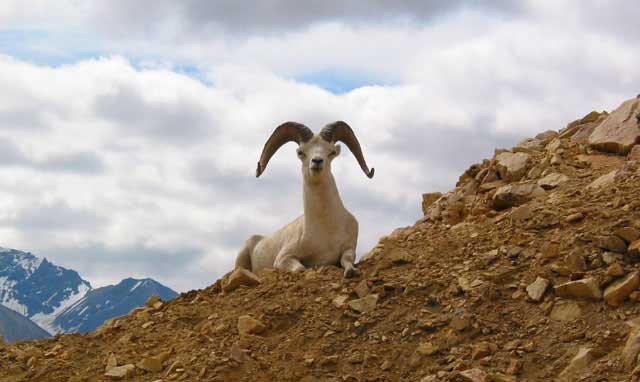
{"type": "Point", "coordinates": [526, 271]}
{"type": "Point", "coordinates": [14, 326]}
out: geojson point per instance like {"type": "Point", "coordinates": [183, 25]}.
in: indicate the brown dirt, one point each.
{"type": "Point", "coordinates": [451, 298]}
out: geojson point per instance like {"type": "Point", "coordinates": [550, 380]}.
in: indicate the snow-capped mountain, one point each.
{"type": "Point", "coordinates": [103, 303]}
{"type": "Point", "coordinates": [38, 289]}
{"type": "Point", "coordinates": [16, 327]}
{"type": "Point", "coordinates": [49, 294]}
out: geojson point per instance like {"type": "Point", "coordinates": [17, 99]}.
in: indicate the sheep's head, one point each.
{"type": "Point", "coordinates": [316, 156]}
{"type": "Point", "coordinates": [315, 151]}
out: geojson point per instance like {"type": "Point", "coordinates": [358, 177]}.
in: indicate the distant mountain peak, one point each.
{"type": "Point", "coordinates": [59, 300]}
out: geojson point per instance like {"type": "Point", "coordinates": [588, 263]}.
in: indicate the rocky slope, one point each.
{"type": "Point", "coordinates": [14, 326]}
{"type": "Point", "coordinates": [59, 300]}
{"type": "Point", "coordinates": [526, 271]}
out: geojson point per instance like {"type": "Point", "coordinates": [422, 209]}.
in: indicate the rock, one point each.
{"type": "Point", "coordinates": [386, 365]}
{"type": "Point", "coordinates": [619, 132]}
{"type": "Point", "coordinates": [584, 288]}
{"type": "Point", "coordinates": [120, 372]}
{"type": "Point", "coordinates": [550, 250]}
{"type": "Point", "coordinates": [33, 361]}
{"type": "Point", "coordinates": [151, 364]}
{"type": "Point", "coordinates": [515, 195]}
{"type": "Point", "coordinates": [151, 301]}
{"type": "Point", "coordinates": [362, 289]}
{"type": "Point", "coordinates": [598, 161]}
{"type": "Point", "coordinates": [497, 377]}
{"type": "Point", "coordinates": [464, 284]}
{"type": "Point", "coordinates": [574, 217]}
{"type": "Point", "coordinates": [112, 361]}
{"type": "Point", "coordinates": [538, 169]}
{"type": "Point", "coordinates": [474, 375]}
{"type": "Point", "coordinates": [554, 145]}
{"type": "Point", "coordinates": [582, 360]}
{"type": "Point", "coordinates": [604, 180]}
{"type": "Point", "coordinates": [512, 166]}
{"type": "Point", "coordinates": [632, 345]}
{"type": "Point", "coordinates": [249, 325]}
{"type": "Point", "coordinates": [521, 213]}
{"type": "Point", "coordinates": [236, 353]}
{"type": "Point", "coordinates": [483, 349]}
{"type": "Point", "coordinates": [615, 270]}
{"type": "Point", "coordinates": [178, 365]}
{"type": "Point", "coordinates": [621, 289]}
{"type": "Point", "coordinates": [552, 180]}
{"type": "Point", "coordinates": [575, 262]}
{"type": "Point", "coordinates": [634, 248]}
{"type": "Point", "coordinates": [364, 305]}
{"type": "Point", "coordinates": [340, 300]}
{"type": "Point", "coordinates": [610, 257]}
{"type": "Point", "coordinates": [628, 234]}
{"type": "Point", "coordinates": [240, 276]}
{"type": "Point", "coordinates": [612, 243]}
{"type": "Point", "coordinates": [634, 154]}
{"type": "Point", "coordinates": [528, 145]}
{"type": "Point", "coordinates": [428, 199]}
{"type": "Point", "coordinates": [515, 365]}
{"type": "Point", "coordinates": [400, 257]}
{"type": "Point", "coordinates": [591, 117]}
{"type": "Point", "coordinates": [491, 185]}
{"type": "Point", "coordinates": [536, 289]}
{"type": "Point", "coordinates": [565, 311]}
{"type": "Point", "coordinates": [460, 323]}
{"type": "Point", "coordinates": [546, 136]}
{"type": "Point", "coordinates": [427, 349]}
{"type": "Point", "coordinates": [583, 132]}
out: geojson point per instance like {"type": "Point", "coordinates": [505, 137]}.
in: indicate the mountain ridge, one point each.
{"type": "Point", "coordinates": [44, 293]}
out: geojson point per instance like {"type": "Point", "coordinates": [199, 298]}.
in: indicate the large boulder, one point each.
{"type": "Point", "coordinates": [512, 166]}
{"type": "Point", "coordinates": [619, 132]}
{"type": "Point", "coordinates": [515, 194]}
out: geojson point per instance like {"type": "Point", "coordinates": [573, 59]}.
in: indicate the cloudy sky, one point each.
{"type": "Point", "coordinates": [129, 130]}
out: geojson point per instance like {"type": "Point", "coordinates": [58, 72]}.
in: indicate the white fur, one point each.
{"type": "Point", "coordinates": [326, 234]}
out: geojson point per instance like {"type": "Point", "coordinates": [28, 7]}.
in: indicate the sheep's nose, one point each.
{"type": "Point", "coordinates": [317, 161]}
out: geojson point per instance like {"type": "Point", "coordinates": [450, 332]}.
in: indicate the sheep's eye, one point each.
{"type": "Point", "coordinates": [333, 153]}
{"type": "Point", "coordinates": [300, 153]}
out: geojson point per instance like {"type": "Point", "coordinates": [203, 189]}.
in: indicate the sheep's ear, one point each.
{"type": "Point", "coordinates": [336, 150]}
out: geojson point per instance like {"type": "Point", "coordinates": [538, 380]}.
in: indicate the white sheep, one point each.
{"type": "Point", "coordinates": [327, 233]}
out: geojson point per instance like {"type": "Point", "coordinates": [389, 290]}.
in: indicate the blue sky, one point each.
{"type": "Point", "coordinates": [138, 126]}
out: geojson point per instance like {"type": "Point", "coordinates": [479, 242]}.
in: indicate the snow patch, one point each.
{"type": "Point", "coordinates": [45, 321]}
{"type": "Point", "coordinates": [29, 263]}
{"type": "Point", "coordinates": [135, 286]}
{"type": "Point", "coordinates": [15, 305]}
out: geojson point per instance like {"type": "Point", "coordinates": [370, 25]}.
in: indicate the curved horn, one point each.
{"type": "Point", "coordinates": [340, 131]}
{"type": "Point", "coordinates": [287, 132]}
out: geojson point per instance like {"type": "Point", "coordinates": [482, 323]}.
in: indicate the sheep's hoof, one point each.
{"type": "Point", "coordinates": [351, 272]}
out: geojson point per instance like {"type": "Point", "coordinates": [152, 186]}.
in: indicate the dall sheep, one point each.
{"type": "Point", "coordinates": [326, 234]}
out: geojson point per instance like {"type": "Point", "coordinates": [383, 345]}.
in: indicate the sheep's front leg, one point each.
{"type": "Point", "coordinates": [346, 260]}
{"type": "Point", "coordinates": [285, 261]}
